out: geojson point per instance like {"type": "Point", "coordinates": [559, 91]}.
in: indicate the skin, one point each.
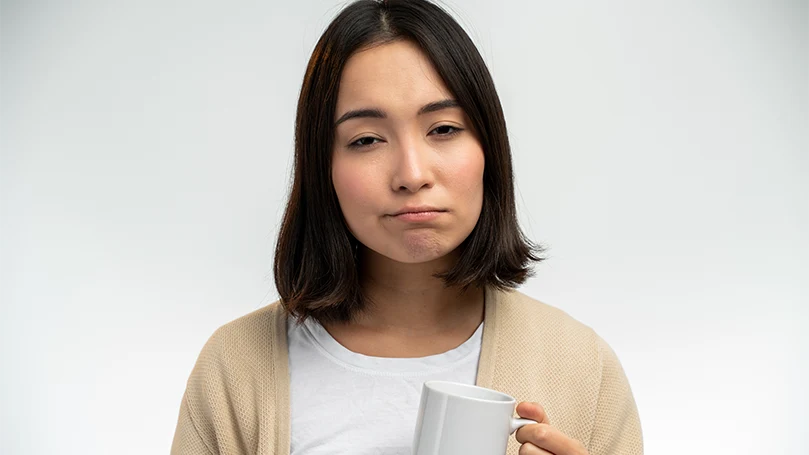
{"type": "Point", "coordinates": [542, 438]}
{"type": "Point", "coordinates": [411, 158]}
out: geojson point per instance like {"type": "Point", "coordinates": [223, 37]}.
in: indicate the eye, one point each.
{"type": "Point", "coordinates": [363, 142]}
{"type": "Point", "coordinates": [447, 130]}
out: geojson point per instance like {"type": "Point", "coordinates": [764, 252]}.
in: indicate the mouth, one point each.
{"type": "Point", "coordinates": [418, 215]}
{"type": "Point", "coordinates": [417, 209]}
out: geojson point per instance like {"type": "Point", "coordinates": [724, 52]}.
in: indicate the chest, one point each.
{"type": "Point", "coordinates": [342, 402]}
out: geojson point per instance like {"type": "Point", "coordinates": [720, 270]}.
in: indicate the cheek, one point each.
{"type": "Point", "coordinates": [354, 186]}
{"type": "Point", "coordinates": [466, 173]}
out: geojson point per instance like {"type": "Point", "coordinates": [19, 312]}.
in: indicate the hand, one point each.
{"type": "Point", "coordinates": [541, 438]}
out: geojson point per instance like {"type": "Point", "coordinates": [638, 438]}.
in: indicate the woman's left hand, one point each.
{"type": "Point", "coordinates": [541, 438]}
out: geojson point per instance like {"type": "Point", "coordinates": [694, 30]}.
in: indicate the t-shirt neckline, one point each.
{"type": "Point", "coordinates": [338, 353]}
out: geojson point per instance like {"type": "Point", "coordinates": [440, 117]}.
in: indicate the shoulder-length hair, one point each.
{"type": "Point", "coordinates": [316, 267]}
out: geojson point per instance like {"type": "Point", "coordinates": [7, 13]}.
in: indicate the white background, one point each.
{"type": "Point", "coordinates": [660, 150]}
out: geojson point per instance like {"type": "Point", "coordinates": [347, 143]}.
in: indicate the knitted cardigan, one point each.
{"type": "Point", "coordinates": [237, 396]}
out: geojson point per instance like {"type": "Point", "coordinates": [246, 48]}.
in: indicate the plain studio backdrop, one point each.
{"type": "Point", "coordinates": [660, 152]}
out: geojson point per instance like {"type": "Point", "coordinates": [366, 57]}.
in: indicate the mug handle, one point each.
{"type": "Point", "coordinates": [516, 424]}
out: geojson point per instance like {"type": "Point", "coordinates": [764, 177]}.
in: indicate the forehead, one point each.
{"type": "Point", "coordinates": [392, 75]}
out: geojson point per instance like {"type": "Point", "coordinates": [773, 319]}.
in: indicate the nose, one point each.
{"type": "Point", "coordinates": [413, 167]}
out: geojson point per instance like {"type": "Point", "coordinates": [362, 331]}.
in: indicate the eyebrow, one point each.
{"type": "Point", "coordinates": [379, 113]}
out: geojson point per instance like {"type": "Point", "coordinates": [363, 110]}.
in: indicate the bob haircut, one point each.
{"type": "Point", "coordinates": [316, 267]}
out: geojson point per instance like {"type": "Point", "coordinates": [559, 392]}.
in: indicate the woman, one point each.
{"type": "Point", "coordinates": [396, 263]}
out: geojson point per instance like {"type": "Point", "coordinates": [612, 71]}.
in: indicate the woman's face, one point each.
{"type": "Point", "coordinates": [401, 145]}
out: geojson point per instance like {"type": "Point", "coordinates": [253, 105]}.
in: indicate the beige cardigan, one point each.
{"type": "Point", "coordinates": [237, 397]}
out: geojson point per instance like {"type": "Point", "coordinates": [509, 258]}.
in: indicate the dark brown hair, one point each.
{"type": "Point", "coordinates": [316, 266]}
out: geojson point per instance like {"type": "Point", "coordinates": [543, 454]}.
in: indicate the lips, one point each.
{"type": "Point", "coordinates": [417, 217]}
{"type": "Point", "coordinates": [417, 209]}
{"type": "Point", "coordinates": [418, 214]}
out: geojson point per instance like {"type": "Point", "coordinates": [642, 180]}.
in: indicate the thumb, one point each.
{"type": "Point", "coordinates": [533, 411]}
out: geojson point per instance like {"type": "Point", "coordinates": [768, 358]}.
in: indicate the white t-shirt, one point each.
{"type": "Point", "coordinates": [343, 402]}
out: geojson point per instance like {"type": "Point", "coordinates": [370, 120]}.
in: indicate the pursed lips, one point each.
{"type": "Point", "coordinates": [417, 214]}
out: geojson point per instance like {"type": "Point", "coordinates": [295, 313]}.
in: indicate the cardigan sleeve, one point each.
{"type": "Point", "coordinates": [231, 398]}
{"type": "Point", "coordinates": [616, 428]}
{"type": "Point", "coordinates": [187, 440]}
{"type": "Point", "coordinates": [196, 432]}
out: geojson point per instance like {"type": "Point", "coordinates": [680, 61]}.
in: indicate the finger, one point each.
{"type": "Point", "coordinates": [530, 449]}
{"type": "Point", "coordinates": [533, 411]}
{"type": "Point", "coordinates": [549, 438]}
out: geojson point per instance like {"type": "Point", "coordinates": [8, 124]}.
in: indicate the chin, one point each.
{"type": "Point", "coordinates": [417, 252]}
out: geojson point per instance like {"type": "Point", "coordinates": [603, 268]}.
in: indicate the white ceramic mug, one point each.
{"type": "Point", "coordinates": [461, 419]}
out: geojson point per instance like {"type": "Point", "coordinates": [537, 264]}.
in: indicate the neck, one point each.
{"type": "Point", "coordinates": [407, 298]}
